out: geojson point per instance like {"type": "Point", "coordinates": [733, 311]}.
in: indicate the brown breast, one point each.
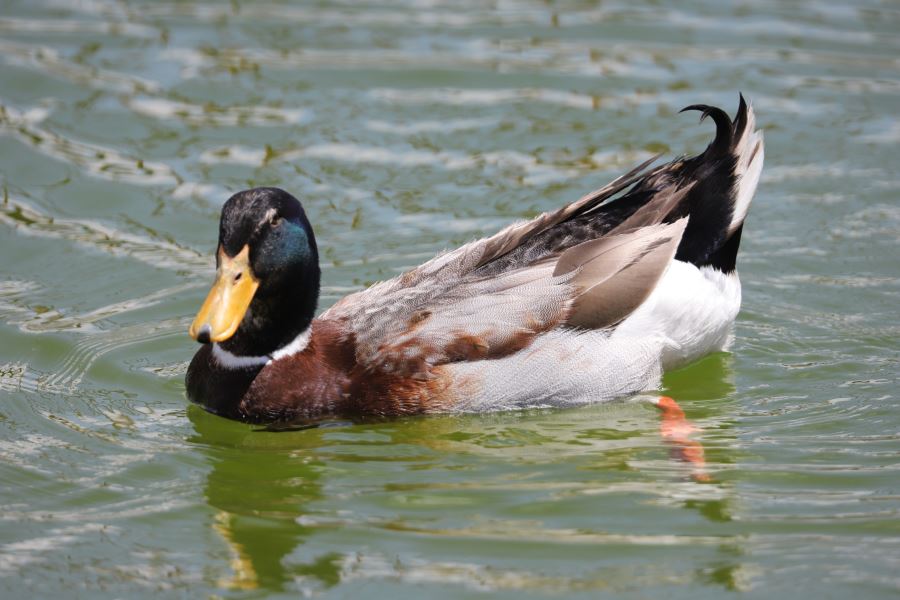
{"type": "Point", "coordinates": [305, 386]}
{"type": "Point", "coordinates": [325, 380]}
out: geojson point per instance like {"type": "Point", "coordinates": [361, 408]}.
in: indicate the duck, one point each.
{"type": "Point", "coordinates": [587, 303]}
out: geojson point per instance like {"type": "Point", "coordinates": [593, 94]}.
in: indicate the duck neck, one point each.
{"type": "Point", "coordinates": [276, 324]}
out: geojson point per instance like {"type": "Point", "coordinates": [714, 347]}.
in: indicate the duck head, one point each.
{"type": "Point", "coordinates": [267, 275]}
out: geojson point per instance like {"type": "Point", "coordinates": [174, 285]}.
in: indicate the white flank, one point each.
{"type": "Point", "coordinates": [750, 153]}
{"type": "Point", "coordinates": [687, 316]}
{"type": "Point", "coordinates": [233, 361]}
{"type": "Point", "coordinates": [560, 369]}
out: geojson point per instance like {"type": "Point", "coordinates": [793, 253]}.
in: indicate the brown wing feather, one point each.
{"type": "Point", "coordinates": [402, 297]}
{"type": "Point", "coordinates": [476, 318]}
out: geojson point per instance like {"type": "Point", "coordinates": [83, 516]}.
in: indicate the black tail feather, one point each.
{"type": "Point", "coordinates": [740, 119]}
{"type": "Point", "coordinates": [706, 184]}
{"type": "Point", "coordinates": [710, 203]}
{"type": "Point", "coordinates": [724, 128]}
{"type": "Point", "coordinates": [724, 258]}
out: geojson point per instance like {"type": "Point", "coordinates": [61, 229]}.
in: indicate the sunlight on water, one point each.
{"type": "Point", "coordinates": [407, 127]}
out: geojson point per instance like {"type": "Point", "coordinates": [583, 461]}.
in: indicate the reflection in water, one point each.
{"type": "Point", "coordinates": [677, 431]}
{"type": "Point", "coordinates": [422, 479]}
{"type": "Point", "coordinates": [709, 378]}
{"type": "Point", "coordinates": [260, 485]}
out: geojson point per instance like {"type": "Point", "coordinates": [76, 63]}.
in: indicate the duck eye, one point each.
{"type": "Point", "coordinates": [276, 222]}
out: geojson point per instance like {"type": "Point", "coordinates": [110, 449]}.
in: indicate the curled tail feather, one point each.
{"type": "Point", "coordinates": [714, 188]}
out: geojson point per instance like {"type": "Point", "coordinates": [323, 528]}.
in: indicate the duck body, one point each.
{"type": "Point", "coordinates": [584, 304]}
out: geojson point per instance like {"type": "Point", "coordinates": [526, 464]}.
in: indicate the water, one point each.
{"type": "Point", "coordinates": [407, 127]}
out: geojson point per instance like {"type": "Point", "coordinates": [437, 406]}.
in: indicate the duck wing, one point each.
{"type": "Point", "coordinates": [596, 284]}
{"type": "Point", "coordinates": [456, 264]}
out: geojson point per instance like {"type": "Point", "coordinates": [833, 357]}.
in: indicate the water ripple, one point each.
{"type": "Point", "coordinates": [407, 126]}
{"type": "Point", "coordinates": [46, 59]}
{"type": "Point", "coordinates": [98, 161]}
{"type": "Point", "coordinates": [218, 116]}
{"type": "Point", "coordinates": [27, 219]}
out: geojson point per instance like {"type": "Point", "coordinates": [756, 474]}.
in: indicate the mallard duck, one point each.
{"type": "Point", "coordinates": [586, 303]}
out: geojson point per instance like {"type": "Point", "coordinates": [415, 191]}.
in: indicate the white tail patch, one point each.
{"type": "Point", "coordinates": [750, 154]}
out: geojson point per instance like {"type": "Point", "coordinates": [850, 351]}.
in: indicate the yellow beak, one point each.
{"type": "Point", "coordinates": [228, 300]}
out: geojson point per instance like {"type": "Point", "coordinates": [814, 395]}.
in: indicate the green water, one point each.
{"type": "Point", "coordinates": [406, 128]}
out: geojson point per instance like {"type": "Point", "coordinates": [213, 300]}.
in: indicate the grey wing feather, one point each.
{"type": "Point", "coordinates": [615, 274]}
{"type": "Point", "coordinates": [657, 209]}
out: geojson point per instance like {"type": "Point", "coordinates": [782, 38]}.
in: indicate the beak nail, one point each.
{"type": "Point", "coordinates": [203, 334]}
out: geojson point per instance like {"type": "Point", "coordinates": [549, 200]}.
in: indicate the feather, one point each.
{"type": "Point", "coordinates": [515, 235]}
{"type": "Point", "coordinates": [475, 318]}
{"type": "Point", "coordinates": [661, 205]}
{"type": "Point", "coordinates": [724, 128]}
{"type": "Point", "coordinates": [615, 274]}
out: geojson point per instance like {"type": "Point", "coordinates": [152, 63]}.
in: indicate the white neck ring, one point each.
{"type": "Point", "coordinates": [233, 361]}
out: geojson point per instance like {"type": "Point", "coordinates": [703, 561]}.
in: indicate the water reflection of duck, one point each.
{"type": "Point", "coordinates": [583, 304]}
{"type": "Point", "coordinates": [259, 486]}
{"type": "Point", "coordinates": [316, 508]}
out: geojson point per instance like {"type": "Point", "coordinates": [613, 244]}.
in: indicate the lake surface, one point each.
{"type": "Point", "coordinates": [408, 127]}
